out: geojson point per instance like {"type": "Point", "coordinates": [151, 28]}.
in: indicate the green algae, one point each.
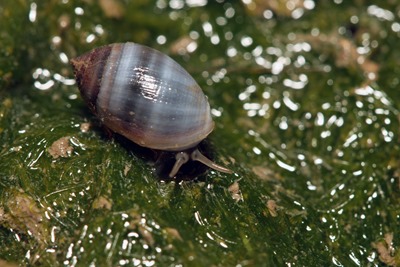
{"type": "Point", "coordinates": [306, 111]}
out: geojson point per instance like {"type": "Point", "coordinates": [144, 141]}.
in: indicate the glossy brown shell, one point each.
{"type": "Point", "coordinates": [144, 95]}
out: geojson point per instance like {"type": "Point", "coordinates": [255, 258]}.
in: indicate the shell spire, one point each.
{"type": "Point", "coordinates": [88, 69]}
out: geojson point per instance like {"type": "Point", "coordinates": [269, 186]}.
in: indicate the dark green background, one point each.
{"type": "Point", "coordinates": [307, 100]}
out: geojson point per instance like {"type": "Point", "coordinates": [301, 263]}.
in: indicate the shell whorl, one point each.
{"type": "Point", "coordinates": [144, 95]}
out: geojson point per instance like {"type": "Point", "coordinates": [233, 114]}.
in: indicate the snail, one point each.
{"type": "Point", "coordinates": [146, 96]}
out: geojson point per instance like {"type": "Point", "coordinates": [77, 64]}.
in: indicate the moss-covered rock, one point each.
{"type": "Point", "coordinates": [305, 99]}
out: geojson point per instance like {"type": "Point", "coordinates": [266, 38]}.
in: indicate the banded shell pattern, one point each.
{"type": "Point", "coordinates": [144, 95]}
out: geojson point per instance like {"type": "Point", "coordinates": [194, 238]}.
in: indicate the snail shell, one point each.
{"type": "Point", "coordinates": [147, 97]}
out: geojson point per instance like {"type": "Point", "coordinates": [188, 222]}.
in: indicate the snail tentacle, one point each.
{"type": "Point", "coordinates": [196, 155]}
{"type": "Point", "coordinates": [181, 158]}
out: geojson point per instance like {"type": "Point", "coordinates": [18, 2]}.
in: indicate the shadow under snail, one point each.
{"type": "Point", "coordinates": [146, 96]}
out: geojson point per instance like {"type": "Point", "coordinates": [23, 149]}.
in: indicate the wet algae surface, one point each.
{"type": "Point", "coordinates": [305, 97]}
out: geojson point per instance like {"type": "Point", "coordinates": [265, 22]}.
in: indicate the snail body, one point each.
{"type": "Point", "coordinates": [147, 97]}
